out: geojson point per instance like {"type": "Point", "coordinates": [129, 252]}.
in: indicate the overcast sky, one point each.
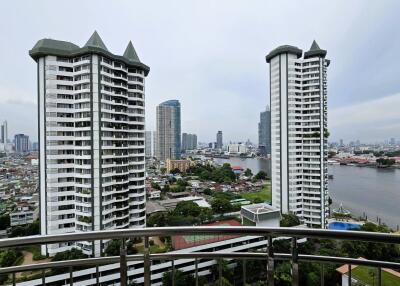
{"type": "Point", "coordinates": [210, 55]}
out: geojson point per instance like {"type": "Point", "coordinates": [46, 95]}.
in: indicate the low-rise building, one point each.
{"type": "Point", "coordinates": [22, 216]}
{"type": "Point", "coordinates": [260, 215]}
{"type": "Point", "coordinates": [181, 165]}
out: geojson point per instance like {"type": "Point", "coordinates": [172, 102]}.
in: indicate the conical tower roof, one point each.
{"type": "Point", "coordinates": [315, 51]}
{"type": "Point", "coordinates": [130, 53]}
{"type": "Point", "coordinates": [96, 42]}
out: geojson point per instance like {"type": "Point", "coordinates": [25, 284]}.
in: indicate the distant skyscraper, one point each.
{"type": "Point", "coordinates": [155, 144]}
{"type": "Point", "coordinates": [392, 141]}
{"type": "Point", "coordinates": [148, 144]}
{"type": "Point", "coordinates": [91, 134]}
{"type": "Point", "coordinates": [219, 140]}
{"type": "Point", "coordinates": [341, 143]}
{"type": "Point", "coordinates": [264, 132]}
{"type": "Point", "coordinates": [299, 132]}
{"type": "Point", "coordinates": [21, 143]}
{"type": "Point", "coordinates": [169, 130]}
{"type": "Point", "coordinates": [4, 132]}
{"type": "Point", "coordinates": [189, 141]}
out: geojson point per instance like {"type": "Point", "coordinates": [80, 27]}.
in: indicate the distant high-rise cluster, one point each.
{"type": "Point", "coordinates": [91, 136]}
{"type": "Point", "coordinates": [21, 143]}
{"type": "Point", "coordinates": [298, 89]}
{"type": "Point", "coordinates": [4, 136]}
{"type": "Point", "coordinates": [168, 130]}
{"type": "Point", "coordinates": [189, 142]}
{"type": "Point", "coordinates": [264, 132]}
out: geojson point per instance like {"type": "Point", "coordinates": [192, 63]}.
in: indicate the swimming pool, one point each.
{"type": "Point", "coordinates": [343, 225]}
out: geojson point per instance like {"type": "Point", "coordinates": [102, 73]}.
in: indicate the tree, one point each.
{"type": "Point", "coordinates": [26, 230]}
{"type": "Point", "coordinates": [225, 270]}
{"type": "Point", "coordinates": [180, 279]}
{"type": "Point", "coordinates": [157, 219]}
{"type": "Point", "coordinates": [163, 170]}
{"type": "Point", "coordinates": [289, 220]}
{"type": "Point", "coordinates": [73, 253]}
{"type": "Point", "coordinates": [9, 257]}
{"type": "Point", "coordinates": [221, 206]}
{"type": "Point", "coordinates": [187, 208]}
{"type": "Point", "coordinates": [248, 173]}
{"type": "Point", "coordinates": [261, 176]}
{"type": "Point", "coordinates": [208, 192]}
{"type": "Point", "coordinates": [155, 186]}
{"type": "Point", "coordinates": [113, 248]}
{"type": "Point", "coordinates": [4, 221]}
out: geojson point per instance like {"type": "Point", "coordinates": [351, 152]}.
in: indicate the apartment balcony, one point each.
{"type": "Point", "coordinates": [146, 268]}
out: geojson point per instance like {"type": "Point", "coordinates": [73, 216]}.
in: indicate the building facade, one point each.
{"type": "Point", "coordinates": [168, 130]}
{"type": "Point", "coordinates": [264, 132]}
{"type": "Point", "coordinates": [189, 142]}
{"type": "Point", "coordinates": [298, 94]}
{"type": "Point", "coordinates": [91, 139]}
{"type": "Point", "coordinates": [21, 143]}
{"type": "Point", "coordinates": [181, 165]}
{"type": "Point", "coordinates": [219, 140]}
{"type": "Point", "coordinates": [4, 136]}
{"type": "Point", "coordinates": [148, 145]}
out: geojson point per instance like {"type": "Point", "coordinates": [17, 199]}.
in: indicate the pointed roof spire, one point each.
{"type": "Point", "coordinates": [315, 51]}
{"type": "Point", "coordinates": [130, 53]}
{"type": "Point", "coordinates": [314, 46]}
{"type": "Point", "coordinates": [96, 42]}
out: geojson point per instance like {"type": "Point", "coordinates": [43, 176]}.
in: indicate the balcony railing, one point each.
{"type": "Point", "coordinates": [267, 254]}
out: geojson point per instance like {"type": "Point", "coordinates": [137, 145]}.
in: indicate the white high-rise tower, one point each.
{"type": "Point", "coordinates": [298, 94]}
{"type": "Point", "coordinates": [91, 137]}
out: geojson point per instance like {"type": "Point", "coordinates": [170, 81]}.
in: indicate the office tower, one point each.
{"type": "Point", "coordinates": [21, 143]}
{"type": "Point", "coordinates": [264, 132]}
{"type": "Point", "coordinates": [219, 140]}
{"type": "Point", "coordinates": [155, 143]}
{"type": "Point", "coordinates": [91, 139]}
{"type": "Point", "coordinates": [169, 130]}
{"type": "Point", "coordinates": [148, 144]}
{"type": "Point", "coordinates": [299, 132]}
{"type": "Point", "coordinates": [189, 142]}
{"type": "Point", "coordinates": [392, 141]}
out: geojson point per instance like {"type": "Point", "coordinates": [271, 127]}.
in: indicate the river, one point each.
{"type": "Point", "coordinates": [362, 190]}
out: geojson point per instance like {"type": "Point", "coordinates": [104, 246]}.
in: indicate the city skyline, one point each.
{"type": "Point", "coordinates": [236, 81]}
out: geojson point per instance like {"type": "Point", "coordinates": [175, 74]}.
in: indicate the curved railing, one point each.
{"type": "Point", "coordinates": [147, 257]}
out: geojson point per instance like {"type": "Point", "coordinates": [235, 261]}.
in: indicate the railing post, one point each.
{"type": "Point", "coordinates": [13, 278]}
{"type": "Point", "coordinates": [271, 262]}
{"type": "Point", "coordinates": [173, 273]}
{"type": "Point", "coordinates": [295, 264]}
{"type": "Point", "coordinates": [44, 277]}
{"type": "Point", "coordinates": [220, 271]}
{"type": "Point", "coordinates": [71, 278]}
{"type": "Point", "coordinates": [379, 276]}
{"type": "Point", "coordinates": [146, 262]}
{"type": "Point", "coordinates": [97, 275]}
{"type": "Point", "coordinates": [123, 267]}
{"type": "Point", "coordinates": [244, 272]}
{"type": "Point", "coordinates": [197, 271]}
{"type": "Point", "coordinates": [322, 275]}
{"type": "Point", "coordinates": [349, 275]}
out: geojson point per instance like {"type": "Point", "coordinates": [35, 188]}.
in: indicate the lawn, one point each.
{"type": "Point", "coordinates": [363, 274]}
{"type": "Point", "coordinates": [263, 195]}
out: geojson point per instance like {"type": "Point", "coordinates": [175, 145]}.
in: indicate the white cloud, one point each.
{"type": "Point", "coordinates": [357, 121]}
{"type": "Point", "coordinates": [16, 96]}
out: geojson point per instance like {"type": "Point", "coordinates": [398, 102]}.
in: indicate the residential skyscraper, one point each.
{"type": "Point", "coordinates": [264, 132]}
{"type": "Point", "coordinates": [21, 143]}
{"type": "Point", "coordinates": [169, 130]}
{"type": "Point", "coordinates": [298, 89]}
{"type": "Point", "coordinates": [148, 144]}
{"type": "Point", "coordinates": [91, 140]}
{"type": "Point", "coordinates": [219, 140]}
{"type": "Point", "coordinates": [189, 141]}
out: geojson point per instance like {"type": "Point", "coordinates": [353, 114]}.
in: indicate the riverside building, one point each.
{"type": "Point", "coordinates": [91, 138]}
{"type": "Point", "coordinates": [298, 94]}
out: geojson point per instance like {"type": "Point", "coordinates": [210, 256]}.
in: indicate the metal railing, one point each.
{"type": "Point", "coordinates": [269, 255]}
